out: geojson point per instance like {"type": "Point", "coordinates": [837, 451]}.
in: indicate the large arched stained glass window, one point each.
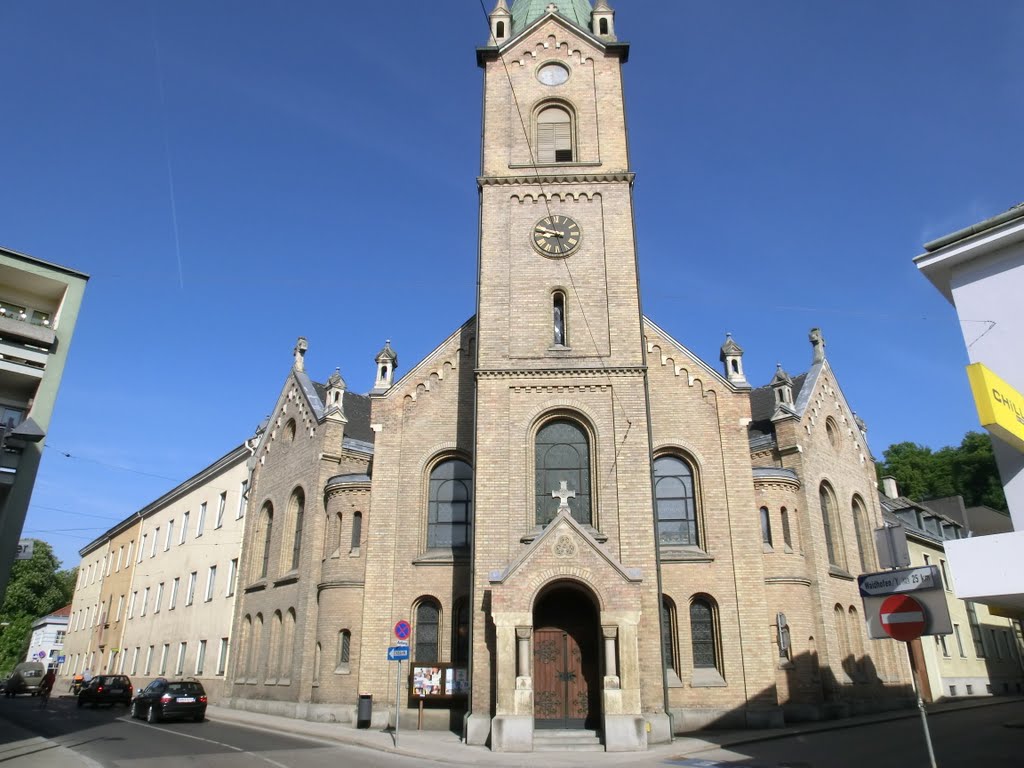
{"type": "Point", "coordinates": [428, 620]}
{"type": "Point", "coordinates": [833, 533]}
{"type": "Point", "coordinates": [563, 459]}
{"type": "Point", "coordinates": [451, 504]}
{"type": "Point", "coordinates": [675, 502]}
{"type": "Point", "coordinates": [702, 634]}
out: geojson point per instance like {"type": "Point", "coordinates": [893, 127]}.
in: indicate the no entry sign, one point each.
{"type": "Point", "coordinates": [902, 617]}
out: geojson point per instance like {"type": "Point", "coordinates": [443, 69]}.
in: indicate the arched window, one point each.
{"type": "Point", "coordinates": [675, 502]}
{"type": "Point", "coordinates": [289, 430]}
{"type": "Point", "coordinates": [856, 645]}
{"type": "Point", "coordinates": [267, 526]}
{"type": "Point", "coordinates": [499, 30]}
{"type": "Point", "coordinates": [257, 646]}
{"type": "Point", "coordinates": [833, 532]}
{"type": "Point", "coordinates": [842, 639]}
{"type": "Point", "coordinates": [766, 526]}
{"type": "Point", "coordinates": [428, 620]}
{"type": "Point", "coordinates": [787, 536]}
{"type": "Point", "coordinates": [244, 663]}
{"type": "Point", "coordinates": [563, 465]}
{"type": "Point", "coordinates": [274, 648]}
{"type": "Point", "coordinates": [669, 635]}
{"type": "Point", "coordinates": [450, 505]}
{"type": "Point", "coordinates": [603, 26]}
{"type": "Point", "coordinates": [558, 319]}
{"type": "Point", "coordinates": [460, 632]}
{"type": "Point", "coordinates": [703, 634]}
{"type": "Point", "coordinates": [357, 531]}
{"type": "Point", "coordinates": [288, 645]}
{"type": "Point", "coordinates": [344, 651]}
{"type": "Point", "coordinates": [860, 526]}
{"type": "Point", "coordinates": [296, 513]}
{"type": "Point", "coordinates": [554, 135]}
{"type": "Point", "coordinates": [338, 522]}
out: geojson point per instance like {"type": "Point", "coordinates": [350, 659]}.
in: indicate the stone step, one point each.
{"type": "Point", "coordinates": [576, 740]}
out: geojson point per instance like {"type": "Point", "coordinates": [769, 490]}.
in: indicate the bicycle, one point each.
{"type": "Point", "coordinates": [44, 697]}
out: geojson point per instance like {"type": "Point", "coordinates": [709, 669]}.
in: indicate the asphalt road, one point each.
{"type": "Point", "coordinates": [968, 738]}
{"type": "Point", "coordinates": [110, 738]}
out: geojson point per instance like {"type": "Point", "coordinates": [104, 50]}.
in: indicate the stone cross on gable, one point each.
{"type": "Point", "coordinates": [563, 494]}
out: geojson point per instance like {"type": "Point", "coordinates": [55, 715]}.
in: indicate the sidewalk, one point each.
{"type": "Point", "coordinates": [446, 747]}
{"type": "Point", "coordinates": [32, 751]}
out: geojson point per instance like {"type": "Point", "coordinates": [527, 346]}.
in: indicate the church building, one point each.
{"type": "Point", "coordinates": [585, 527]}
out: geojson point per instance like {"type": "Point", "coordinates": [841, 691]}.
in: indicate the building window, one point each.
{"type": "Point", "coordinates": [296, 513]}
{"type": "Point", "coordinates": [554, 135]}
{"type": "Point", "coordinates": [675, 502]}
{"type": "Point", "coordinates": [288, 647]}
{"type": "Point", "coordinates": [152, 547]}
{"type": "Point", "coordinates": [703, 634]}
{"type": "Point", "coordinates": [959, 641]}
{"type": "Point", "coordinates": [428, 620]}
{"type": "Point", "coordinates": [184, 527]}
{"type": "Point", "coordinates": [222, 655]}
{"type": "Point", "coordinates": [263, 536]}
{"type": "Point", "coordinates": [221, 503]}
{"type": "Point", "coordinates": [131, 606]}
{"type": "Point", "coordinates": [164, 653]}
{"type": "Point", "coordinates": [117, 617]}
{"type": "Point", "coordinates": [170, 535]}
{"type": "Point", "coordinates": [135, 660]}
{"type": "Point", "coordinates": [860, 525]}
{"type": "Point", "coordinates": [558, 319]}
{"type": "Point", "coordinates": [201, 520]}
{"type": "Point", "coordinates": [972, 620]}
{"type": "Point", "coordinates": [787, 536]}
{"type": "Point", "coordinates": [174, 593]}
{"type": "Point", "coordinates": [232, 576]}
{"type": "Point", "coordinates": [945, 576]}
{"type": "Point", "coordinates": [179, 669]}
{"type": "Point", "coordinates": [832, 432]}
{"type": "Point", "coordinates": [200, 657]}
{"type": "Point", "coordinates": [357, 531]}
{"type": "Point", "coordinates": [190, 595]}
{"type": "Point", "coordinates": [159, 597]}
{"type": "Point", "coordinates": [245, 649]}
{"type": "Point", "coordinates": [563, 465]}
{"type": "Point", "coordinates": [149, 660]}
{"type": "Point", "coordinates": [145, 601]}
{"type": "Point", "coordinates": [766, 527]}
{"type": "Point", "coordinates": [211, 577]}
{"type": "Point", "coordinates": [274, 648]}
{"type": "Point", "coordinates": [242, 493]}
{"type": "Point", "coordinates": [833, 532]}
{"type": "Point", "coordinates": [450, 505]}
{"type": "Point", "coordinates": [344, 650]}
{"type": "Point", "coordinates": [669, 635]}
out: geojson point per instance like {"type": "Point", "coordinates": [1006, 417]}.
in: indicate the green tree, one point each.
{"type": "Point", "coordinates": [37, 587]}
{"type": "Point", "coordinates": [968, 470]}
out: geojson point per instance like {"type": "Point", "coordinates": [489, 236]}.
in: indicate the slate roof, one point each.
{"type": "Point", "coordinates": [762, 406]}
{"type": "Point", "coordinates": [525, 12]}
{"type": "Point", "coordinates": [356, 408]}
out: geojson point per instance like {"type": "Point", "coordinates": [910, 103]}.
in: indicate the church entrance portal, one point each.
{"type": "Point", "coordinates": [566, 680]}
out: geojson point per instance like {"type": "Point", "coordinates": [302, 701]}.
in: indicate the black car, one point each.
{"type": "Point", "coordinates": [107, 689]}
{"type": "Point", "coordinates": [164, 699]}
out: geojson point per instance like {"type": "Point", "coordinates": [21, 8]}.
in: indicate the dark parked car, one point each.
{"type": "Point", "coordinates": [107, 689]}
{"type": "Point", "coordinates": [26, 678]}
{"type": "Point", "coordinates": [164, 699]}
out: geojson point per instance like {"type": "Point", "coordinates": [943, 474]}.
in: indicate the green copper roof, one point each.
{"type": "Point", "coordinates": [525, 12]}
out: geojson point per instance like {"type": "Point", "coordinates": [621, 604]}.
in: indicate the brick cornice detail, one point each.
{"type": "Point", "coordinates": [557, 178]}
{"type": "Point", "coordinates": [559, 373]}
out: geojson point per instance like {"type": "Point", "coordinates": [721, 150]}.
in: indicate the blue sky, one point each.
{"type": "Point", "coordinates": [236, 174]}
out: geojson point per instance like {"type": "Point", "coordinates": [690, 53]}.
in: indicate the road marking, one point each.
{"type": "Point", "coordinates": [208, 741]}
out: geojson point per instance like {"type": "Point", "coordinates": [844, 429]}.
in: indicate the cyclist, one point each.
{"type": "Point", "coordinates": [46, 686]}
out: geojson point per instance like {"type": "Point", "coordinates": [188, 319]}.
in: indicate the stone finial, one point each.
{"type": "Point", "coordinates": [861, 425]}
{"type": "Point", "coordinates": [300, 353]}
{"type": "Point", "coordinates": [731, 356]}
{"type": "Point", "coordinates": [818, 345]}
{"type": "Point", "coordinates": [387, 362]}
{"type": "Point", "coordinates": [551, 8]}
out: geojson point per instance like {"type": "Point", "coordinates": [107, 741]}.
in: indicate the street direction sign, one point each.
{"type": "Point", "coordinates": [902, 617]}
{"type": "Point", "coordinates": [403, 629]}
{"type": "Point", "coordinates": [398, 653]}
{"type": "Point", "coordinates": [896, 582]}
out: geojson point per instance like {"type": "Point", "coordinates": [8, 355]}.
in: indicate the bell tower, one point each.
{"type": "Point", "coordinates": [561, 383]}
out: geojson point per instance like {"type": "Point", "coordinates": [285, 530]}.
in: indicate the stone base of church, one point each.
{"type": "Point", "coordinates": [478, 730]}
{"type": "Point", "coordinates": [686, 719]}
{"type": "Point", "coordinates": [658, 728]}
{"type": "Point", "coordinates": [625, 733]}
{"type": "Point", "coordinates": [512, 733]}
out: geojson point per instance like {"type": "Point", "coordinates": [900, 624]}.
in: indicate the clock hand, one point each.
{"type": "Point", "coordinates": [550, 232]}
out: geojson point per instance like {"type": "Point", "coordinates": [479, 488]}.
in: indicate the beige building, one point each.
{"type": "Point", "coordinates": [985, 654]}
{"type": "Point", "coordinates": [39, 304]}
{"type": "Point", "coordinates": [587, 527]}
{"type": "Point", "coordinates": [156, 593]}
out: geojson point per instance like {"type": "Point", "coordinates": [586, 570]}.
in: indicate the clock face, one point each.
{"type": "Point", "coordinates": [556, 235]}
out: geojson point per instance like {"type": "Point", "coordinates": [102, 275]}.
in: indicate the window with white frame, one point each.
{"type": "Point", "coordinates": [232, 575]}
{"type": "Point", "coordinates": [241, 500]}
{"type": "Point", "coordinates": [131, 604]}
{"type": "Point", "coordinates": [191, 593]}
{"type": "Point", "coordinates": [135, 660]}
{"type": "Point", "coordinates": [145, 600]}
{"type": "Point", "coordinates": [120, 605]}
{"type": "Point", "coordinates": [152, 546]}
{"type": "Point", "coordinates": [164, 653]}
{"type": "Point", "coordinates": [174, 593]}
{"type": "Point", "coordinates": [184, 527]}
{"type": "Point", "coordinates": [128, 553]}
{"type": "Point", "coordinates": [120, 554]}
{"type": "Point", "coordinates": [211, 577]}
{"type": "Point", "coordinates": [170, 535]}
{"type": "Point", "coordinates": [221, 503]}
{"type": "Point", "coordinates": [201, 520]}
{"type": "Point", "coordinates": [149, 660]}
{"type": "Point", "coordinates": [159, 597]}
{"type": "Point", "coordinates": [180, 667]}
{"type": "Point", "coordinates": [200, 657]}
{"type": "Point", "coordinates": [222, 656]}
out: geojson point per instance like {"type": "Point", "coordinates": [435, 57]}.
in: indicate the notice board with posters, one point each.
{"type": "Point", "coordinates": [438, 681]}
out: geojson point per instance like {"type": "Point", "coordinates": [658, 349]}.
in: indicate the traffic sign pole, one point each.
{"type": "Point", "coordinates": [920, 705]}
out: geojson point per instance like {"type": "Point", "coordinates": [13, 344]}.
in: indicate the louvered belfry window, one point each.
{"type": "Point", "coordinates": [554, 136]}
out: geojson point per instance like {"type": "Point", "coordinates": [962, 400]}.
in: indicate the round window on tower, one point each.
{"type": "Point", "coordinates": [552, 73]}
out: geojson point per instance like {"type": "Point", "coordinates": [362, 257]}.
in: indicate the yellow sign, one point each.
{"type": "Point", "coordinates": [1000, 406]}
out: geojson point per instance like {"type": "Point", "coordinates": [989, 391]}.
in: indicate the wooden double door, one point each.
{"type": "Point", "coordinates": [565, 678]}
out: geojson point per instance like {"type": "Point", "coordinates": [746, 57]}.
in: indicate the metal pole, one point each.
{"type": "Point", "coordinates": [920, 706]}
{"type": "Point", "coordinates": [397, 702]}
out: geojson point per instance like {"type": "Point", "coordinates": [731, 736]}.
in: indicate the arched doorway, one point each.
{"type": "Point", "coordinates": [566, 665]}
